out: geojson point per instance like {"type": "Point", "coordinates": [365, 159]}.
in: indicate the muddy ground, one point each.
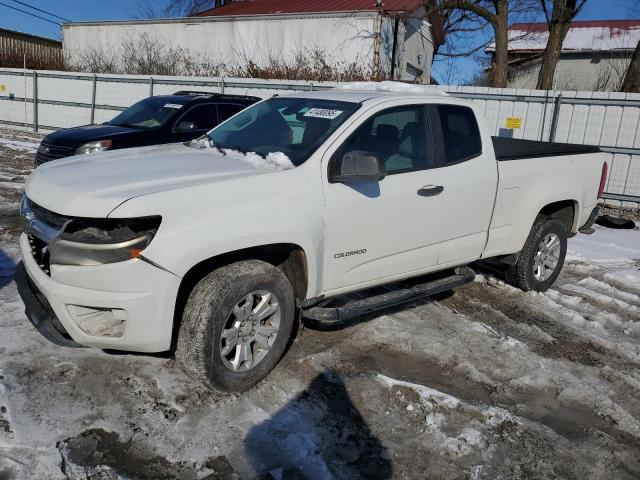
{"type": "Point", "coordinates": [489, 383]}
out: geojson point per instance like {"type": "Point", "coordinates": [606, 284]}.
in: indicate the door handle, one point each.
{"type": "Point", "coordinates": [430, 190]}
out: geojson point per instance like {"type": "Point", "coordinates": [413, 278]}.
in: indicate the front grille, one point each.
{"type": "Point", "coordinates": [48, 152]}
{"type": "Point", "coordinates": [40, 252]}
{"type": "Point", "coordinates": [47, 216]}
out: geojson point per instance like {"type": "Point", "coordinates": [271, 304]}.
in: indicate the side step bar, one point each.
{"type": "Point", "coordinates": [331, 315]}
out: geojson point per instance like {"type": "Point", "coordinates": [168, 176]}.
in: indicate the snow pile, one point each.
{"type": "Point", "coordinates": [392, 87]}
{"type": "Point", "coordinates": [627, 278]}
{"type": "Point", "coordinates": [273, 161]}
{"type": "Point", "coordinates": [19, 145]}
{"type": "Point", "coordinates": [429, 396]}
{"type": "Point", "coordinates": [441, 408]}
{"type": "Point", "coordinates": [606, 246]}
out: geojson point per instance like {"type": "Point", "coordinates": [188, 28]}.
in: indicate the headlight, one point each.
{"type": "Point", "coordinates": [93, 147]}
{"type": "Point", "coordinates": [96, 242]}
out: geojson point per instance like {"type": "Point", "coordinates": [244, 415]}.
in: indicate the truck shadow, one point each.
{"type": "Point", "coordinates": [319, 434]}
{"type": "Point", "coordinates": [7, 269]}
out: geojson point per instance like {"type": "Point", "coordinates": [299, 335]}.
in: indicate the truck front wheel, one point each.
{"type": "Point", "coordinates": [236, 325]}
{"type": "Point", "coordinates": [542, 257]}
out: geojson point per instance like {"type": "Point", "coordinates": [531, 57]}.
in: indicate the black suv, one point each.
{"type": "Point", "coordinates": [155, 120]}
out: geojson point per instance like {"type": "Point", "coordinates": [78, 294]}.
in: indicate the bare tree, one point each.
{"type": "Point", "coordinates": [184, 8]}
{"type": "Point", "coordinates": [631, 83]}
{"type": "Point", "coordinates": [145, 9]}
{"type": "Point", "coordinates": [496, 14]}
{"type": "Point", "coordinates": [559, 21]}
{"type": "Point", "coordinates": [467, 17]}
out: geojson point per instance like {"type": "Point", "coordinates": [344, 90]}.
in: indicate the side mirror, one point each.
{"type": "Point", "coordinates": [358, 166]}
{"type": "Point", "coordinates": [185, 127]}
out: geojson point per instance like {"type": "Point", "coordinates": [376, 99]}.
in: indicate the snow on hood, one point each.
{"type": "Point", "coordinates": [273, 161]}
{"type": "Point", "coordinates": [93, 185]}
{"type": "Point", "coordinates": [392, 87]}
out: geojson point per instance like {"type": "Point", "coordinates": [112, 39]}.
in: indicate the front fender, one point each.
{"type": "Point", "coordinates": [205, 221]}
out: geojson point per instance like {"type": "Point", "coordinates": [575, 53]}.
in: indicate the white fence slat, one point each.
{"type": "Point", "coordinates": [614, 123]}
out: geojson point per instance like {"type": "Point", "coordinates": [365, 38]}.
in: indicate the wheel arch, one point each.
{"type": "Point", "coordinates": [288, 257]}
{"type": "Point", "coordinates": [564, 210]}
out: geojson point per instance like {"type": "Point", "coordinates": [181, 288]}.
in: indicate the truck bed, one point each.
{"type": "Point", "coordinates": [516, 149]}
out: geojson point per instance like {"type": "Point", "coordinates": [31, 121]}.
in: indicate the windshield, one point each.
{"type": "Point", "coordinates": [293, 126]}
{"type": "Point", "coordinates": [149, 113]}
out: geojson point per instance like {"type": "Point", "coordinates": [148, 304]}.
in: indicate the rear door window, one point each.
{"type": "Point", "coordinates": [228, 110]}
{"type": "Point", "coordinates": [205, 117]}
{"type": "Point", "coordinates": [459, 133]}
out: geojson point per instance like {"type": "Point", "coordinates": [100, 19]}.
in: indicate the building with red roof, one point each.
{"type": "Point", "coordinates": [595, 54]}
{"type": "Point", "coordinates": [395, 38]}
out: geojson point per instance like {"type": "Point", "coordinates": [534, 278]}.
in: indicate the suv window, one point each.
{"type": "Point", "coordinates": [205, 117]}
{"type": "Point", "coordinates": [397, 136]}
{"type": "Point", "coordinates": [228, 110]}
{"type": "Point", "coordinates": [460, 133]}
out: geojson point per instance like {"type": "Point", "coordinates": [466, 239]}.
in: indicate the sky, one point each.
{"type": "Point", "coordinates": [463, 69]}
{"type": "Point", "coordinates": [84, 10]}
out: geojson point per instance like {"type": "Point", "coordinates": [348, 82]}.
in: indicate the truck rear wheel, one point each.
{"type": "Point", "coordinates": [236, 325]}
{"type": "Point", "coordinates": [542, 257]}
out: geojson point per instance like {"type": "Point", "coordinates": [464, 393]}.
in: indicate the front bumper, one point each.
{"type": "Point", "coordinates": [144, 293]}
{"type": "Point", "coordinates": [39, 311]}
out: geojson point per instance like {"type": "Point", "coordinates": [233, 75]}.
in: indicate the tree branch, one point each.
{"type": "Point", "coordinates": [488, 15]}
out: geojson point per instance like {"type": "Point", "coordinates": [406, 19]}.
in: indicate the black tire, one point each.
{"type": "Point", "coordinates": [208, 310]}
{"type": "Point", "coordinates": [521, 274]}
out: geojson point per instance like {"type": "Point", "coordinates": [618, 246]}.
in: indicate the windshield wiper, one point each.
{"type": "Point", "coordinates": [217, 147]}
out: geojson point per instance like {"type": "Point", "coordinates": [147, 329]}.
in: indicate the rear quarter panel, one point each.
{"type": "Point", "coordinates": [526, 186]}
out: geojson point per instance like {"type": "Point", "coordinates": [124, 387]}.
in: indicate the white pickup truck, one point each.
{"type": "Point", "coordinates": [218, 247]}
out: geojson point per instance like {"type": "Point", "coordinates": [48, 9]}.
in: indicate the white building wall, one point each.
{"type": "Point", "coordinates": [418, 50]}
{"type": "Point", "coordinates": [344, 38]}
{"type": "Point", "coordinates": [585, 72]}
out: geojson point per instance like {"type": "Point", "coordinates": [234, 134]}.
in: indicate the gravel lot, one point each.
{"type": "Point", "coordinates": [488, 383]}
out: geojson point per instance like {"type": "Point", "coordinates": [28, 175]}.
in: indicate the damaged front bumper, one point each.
{"type": "Point", "coordinates": [122, 306]}
{"type": "Point", "coordinates": [39, 312]}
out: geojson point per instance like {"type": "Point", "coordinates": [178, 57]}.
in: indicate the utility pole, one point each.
{"type": "Point", "coordinates": [377, 43]}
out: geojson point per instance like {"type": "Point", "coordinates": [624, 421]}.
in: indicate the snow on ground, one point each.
{"type": "Point", "coordinates": [488, 383]}
{"type": "Point", "coordinates": [606, 246]}
{"type": "Point", "coordinates": [19, 145]}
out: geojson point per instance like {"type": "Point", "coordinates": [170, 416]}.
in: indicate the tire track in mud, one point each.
{"type": "Point", "coordinates": [513, 315]}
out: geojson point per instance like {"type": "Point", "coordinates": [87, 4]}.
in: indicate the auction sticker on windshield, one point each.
{"type": "Point", "coordinates": [323, 113]}
{"type": "Point", "coordinates": [172, 105]}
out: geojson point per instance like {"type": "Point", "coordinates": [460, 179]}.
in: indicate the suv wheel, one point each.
{"type": "Point", "coordinates": [236, 325]}
{"type": "Point", "coordinates": [542, 257]}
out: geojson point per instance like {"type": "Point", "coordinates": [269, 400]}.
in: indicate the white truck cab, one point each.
{"type": "Point", "coordinates": [215, 247]}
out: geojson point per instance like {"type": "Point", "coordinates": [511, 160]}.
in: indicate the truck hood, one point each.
{"type": "Point", "coordinates": [93, 185]}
